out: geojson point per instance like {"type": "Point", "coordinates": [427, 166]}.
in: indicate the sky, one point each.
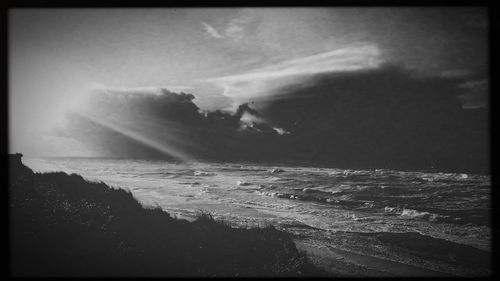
{"type": "Point", "coordinates": [223, 56]}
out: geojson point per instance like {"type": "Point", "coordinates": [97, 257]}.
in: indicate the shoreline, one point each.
{"type": "Point", "coordinates": [364, 264]}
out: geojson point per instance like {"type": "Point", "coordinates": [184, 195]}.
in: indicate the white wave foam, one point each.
{"type": "Point", "coordinates": [242, 183]}
{"type": "Point", "coordinates": [388, 209]}
{"type": "Point", "coordinates": [203, 174]}
{"type": "Point", "coordinates": [276, 170]}
{"type": "Point", "coordinates": [414, 213]}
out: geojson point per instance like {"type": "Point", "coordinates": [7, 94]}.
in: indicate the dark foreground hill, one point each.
{"type": "Point", "coordinates": [63, 225]}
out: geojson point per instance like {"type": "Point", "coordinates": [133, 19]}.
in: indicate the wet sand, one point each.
{"type": "Point", "coordinates": [344, 263]}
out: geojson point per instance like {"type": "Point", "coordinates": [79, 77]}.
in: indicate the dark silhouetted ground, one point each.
{"type": "Point", "coordinates": [63, 225]}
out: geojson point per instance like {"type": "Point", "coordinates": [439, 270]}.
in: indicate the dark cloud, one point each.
{"type": "Point", "coordinates": [368, 119]}
{"type": "Point", "coordinates": [476, 95]}
{"type": "Point", "coordinates": [167, 125]}
{"type": "Point", "coordinates": [383, 118]}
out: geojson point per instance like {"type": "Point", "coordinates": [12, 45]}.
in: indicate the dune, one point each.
{"type": "Point", "coordinates": [63, 225]}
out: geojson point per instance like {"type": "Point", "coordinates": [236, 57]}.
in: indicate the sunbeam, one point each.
{"type": "Point", "coordinates": [162, 146]}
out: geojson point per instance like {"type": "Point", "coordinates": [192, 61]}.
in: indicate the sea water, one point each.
{"type": "Point", "coordinates": [363, 211]}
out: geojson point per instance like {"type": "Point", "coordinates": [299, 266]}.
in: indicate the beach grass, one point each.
{"type": "Point", "coordinates": [64, 225]}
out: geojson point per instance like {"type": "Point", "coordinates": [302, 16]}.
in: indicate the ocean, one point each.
{"type": "Point", "coordinates": [430, 220]}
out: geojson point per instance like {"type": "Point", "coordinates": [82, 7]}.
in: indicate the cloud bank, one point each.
{"type": "Point", "coordinates": [168, 125]}
{"type": "Point", "coordinates": [383, 117]}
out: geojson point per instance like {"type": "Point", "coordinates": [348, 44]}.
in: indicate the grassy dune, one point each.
{"type": "Point", "coordinates": [63, 225]}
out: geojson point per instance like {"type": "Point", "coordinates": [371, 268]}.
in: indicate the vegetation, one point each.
{"type": "Point", "coordinates": [63, 225]}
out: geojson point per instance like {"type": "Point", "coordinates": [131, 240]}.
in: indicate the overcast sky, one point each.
{"type": "Point", "coordinates": [223, 56]}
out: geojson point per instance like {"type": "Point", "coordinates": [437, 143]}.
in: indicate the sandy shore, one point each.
{"type": "Point", "coordinates": [344, 263]}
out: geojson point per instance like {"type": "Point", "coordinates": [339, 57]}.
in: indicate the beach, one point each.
{"type": "Point", "coordinates": [381, 223]}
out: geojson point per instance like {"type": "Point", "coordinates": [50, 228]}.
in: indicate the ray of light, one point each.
{"type": "Point", "coordinates": [163, 146]}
